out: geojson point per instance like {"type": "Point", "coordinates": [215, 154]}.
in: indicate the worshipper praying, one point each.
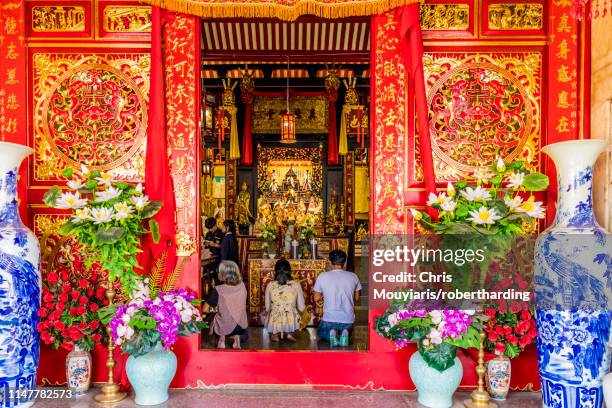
{"type": "Point", "coordinates": [231, 298]}
{"type": "Point", "coordinates": [339, 290]}
{"type": "Point", "coordinates": [284, 302]}
{"type": "Point", "coordinates": [229, 243]}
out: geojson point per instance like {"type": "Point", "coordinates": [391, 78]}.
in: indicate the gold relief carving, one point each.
{"type": "Point", "coordinates": [90, 110]}
{"type": "Point", "coordinates": [58, 19]}
{"type": "Point", "coordinates": [516, 16]}
{"type": "Point", "coordinates": [445, 17]}
{"type": "Point", "coordinates": [482, 107]}
{"type": "Point", "coordinates": [46, 228]}
{"type": "Point", "coordinates": [185, 246]}
{"type": "Point", "coordinates": [127, 19]}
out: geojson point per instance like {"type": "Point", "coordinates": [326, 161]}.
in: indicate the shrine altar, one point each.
{"type": "Point", "coordinates": [261, 273]}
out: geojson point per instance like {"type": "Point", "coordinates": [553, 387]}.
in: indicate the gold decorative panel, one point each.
{"type": "Point", "coordinates": [58, 19]}
{"type": "Point", "coordinates": [90, 110]}
{"type": "Point", "coordinates": [482, 107]}
{"type": "Point", "coordinates": [517, 16]}
{"type": "Point", "coordinates": [127, 19]}
{"type": "Point", "coordinates": [445, 17]}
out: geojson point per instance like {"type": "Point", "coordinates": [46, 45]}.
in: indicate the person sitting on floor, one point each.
{"type": "Point", "coordinates": [339, 290]}
{"type": "Point", "coordinates": [231, 298]}
{"type": "Point", "coordinates": [284, 302]}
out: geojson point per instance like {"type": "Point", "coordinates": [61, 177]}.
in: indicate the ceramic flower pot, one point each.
{"type": "Point", "coordinates": [573, 279]}
{"type": "Point", "coordinates": [78, 370]}
{"type": "Point", "coordinates": [607, 389]}
{"type": "Point", "coordinates": [151, 375]}
{"type": "Point", "coordinates": [19, 286]}
{"type": "Point", "coordinates": [498, 377]}
{"type": "Point", "coordinates": [435, 389]}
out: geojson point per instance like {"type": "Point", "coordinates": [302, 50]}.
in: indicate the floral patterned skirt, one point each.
{"type": "Point", "coordinates": [283, 319]}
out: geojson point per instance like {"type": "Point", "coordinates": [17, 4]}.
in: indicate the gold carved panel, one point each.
{"type": "Point", "coordinates": [58, 19]}
{"type": "Point", "coordinates": [517, 16]}
{"type": "Point", "coordinates": [127, 19]}
{"type": "Point", "coordinates": [482, 107]}
{"type": "Point", "coordinates": [445, 17]}
{"type": "Point", "coordinates": [90, 110]}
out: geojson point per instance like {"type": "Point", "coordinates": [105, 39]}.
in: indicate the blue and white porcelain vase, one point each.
{"type": "Point", "coordinates": [573, 281]}
{"type": "Point", "coordinates": [19, 288]}
{"type": "Point", "coordinates": [151, 374]}
{"type": "Point", "coordinates": [435, 388]}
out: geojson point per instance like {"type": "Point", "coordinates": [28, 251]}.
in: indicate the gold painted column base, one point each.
{"type": "Point", "coordinates": [109, 394]}
{"type": "Point", "coordinates": [479, 399]}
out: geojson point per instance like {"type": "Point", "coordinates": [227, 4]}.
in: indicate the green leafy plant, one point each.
{"type": "Point", "coordinates": [108, 218]}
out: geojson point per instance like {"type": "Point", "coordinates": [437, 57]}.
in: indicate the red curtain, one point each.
{"type": "Point", "coordinates": [247, 145]}
{"type": "Point", "coordinates": [332, 138]}
{"type": "Point", "coordinates": [411, 49]}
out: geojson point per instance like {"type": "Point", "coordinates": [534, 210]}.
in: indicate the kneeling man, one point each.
{"type": "Point", "coordinates": [339, 290]}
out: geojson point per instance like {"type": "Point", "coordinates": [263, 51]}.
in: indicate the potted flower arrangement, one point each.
{"type": "Point", "coordinates": [508, 332]}
{"type": "Point", "coordinates": [268, 234]}
{"type": "Point", "coordinates": [306, 234]}
{"type": "Point", "coordinates": [108, 218]}
{"type": "Point", "coordinates": [146, 328]}
{"type": "Point", "coordinates": [69, 318]}
{"type": "Point", "coordinates": [435, 368]}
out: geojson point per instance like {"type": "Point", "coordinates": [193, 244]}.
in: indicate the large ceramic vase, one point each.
{"type": "Point", "coordinates": [151, 374]}
{"type": "Point", "coordinates": [78, 371]}
{"type": "Point", "coordinates": [19, 288]}
{"type": "Point", "coordinates": [573, 279]}
{"type": "Point", "coordinates": [435, 388]}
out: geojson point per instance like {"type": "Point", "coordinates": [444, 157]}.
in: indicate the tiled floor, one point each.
{"type": "Point", "coordinates": [290, 399]}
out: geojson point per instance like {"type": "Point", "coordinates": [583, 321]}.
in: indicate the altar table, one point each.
{"type": "Point", "coordinates": [261, 273]}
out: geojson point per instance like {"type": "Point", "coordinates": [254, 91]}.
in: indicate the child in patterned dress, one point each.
{"type": "Point", "coordinates": [284, 302]}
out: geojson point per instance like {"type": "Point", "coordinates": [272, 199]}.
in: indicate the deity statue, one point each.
{"type": "Point", "coordinates": [243, 210]}
{"type": "Point", "coordinates": [279, 213]}
{"type": "Point", "coordinates": [264, 214]}
{"type": "Point", "coordinates": [307, 184]}
{"type": "Point", "coordinates": [361, 234]}
{"type": "Point", "coordinates": [219, 212]}
{"type": "Point", "coordinates": [289, 233]}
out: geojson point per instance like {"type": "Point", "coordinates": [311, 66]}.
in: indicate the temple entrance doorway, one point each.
{"type": "Point", "coordinates": [285, 155]}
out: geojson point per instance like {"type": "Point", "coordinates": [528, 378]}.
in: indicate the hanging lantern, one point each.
{"type": "Point", "coordinates": [288, 118]}
{"type": "Point", "coordinates": [287, 128]}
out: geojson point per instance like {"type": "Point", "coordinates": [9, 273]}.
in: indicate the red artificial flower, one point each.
{"type": "Point", "coordinates": [105, 302]}
{"type": "Point", "coordinates": [507, 330]}
{"type": "Point", "coordinates": [75, 294]}
{"type": "Point", "coordinates": [83, 283]}
{"type": "Point", "coordinates": [90, 292]}
{"type": "Point", "coordinates": [522, 327]}
{"type": "Point", "coordinates": [82, 326]}
{"type": "Point", "coordinates": [67, 345]}
{"type": "Point", "coordinates": [42, 312]}
{"type": "Point", "coordinates": [40, 326]}
{"type": "Point", "coordinates": [65, 277]}
{"type": "Point", "coordinates": [512, 339]}
{"type": "Point", "coordinates": [101, 293]}
{"type": "Point", "coordinates": [499, 330]}
{"type": "Point", "coordinates": [73, 312]}
{"type": "Point", "coordinates": [500, 347]}
{"type": "Point", "coordinates": [93, 307]}
{"type": "Point", "coordinates": [63, 297]}
{"type": "Point", "coordinates": [493, 337]}
{"type": "Point", "coordinates": [53, 316]}
{"type": "Point", "coordinates": [60, 306]}
{"type": "Point", "coordinates": [83, 300]}
{"type": "Point", "coordinates": [59, 325]}
{"type": "Point", "coordinates": [524, 341]}
{"type": "Point", "coordinates": [66, 288]}
{"type": "Point", "coordinates": [52, 278]}
{"type": "Point", "coordinates": [490, 312]}
{"type": "Point", "coordinates": [94, 325]}
{"type": "Point", "coordinates": [46, 337]}
{"type": "Point", "coordinates": [533, 333]}
{"type": "Point", "coordinates": [48, 297]}
{"type": "Point", "coordinates": [74, 333]}
{"type": "Point", "coordinates": [525, 315]}
{"type": "Point", "coordinates": [96, 337]}
{"type": "Point", "coordinates": [81, 310]}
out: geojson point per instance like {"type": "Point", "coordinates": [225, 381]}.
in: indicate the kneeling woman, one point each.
{"type": "Point", "coordinates": [231, 297]}
{"type": "Point", "coordinates": [284, 302]}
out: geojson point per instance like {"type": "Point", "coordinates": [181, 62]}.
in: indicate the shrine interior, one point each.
{"type": "Point", "coordinates": [286, 191]}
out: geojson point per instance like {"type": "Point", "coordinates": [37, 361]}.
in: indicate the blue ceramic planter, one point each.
{"type": "Point", "coordinates": [19, 288]}
{"type": "Point", "coordinates": [435, 388]}
{"type": "Point", "coordinates": [151, 375]}
{"type": "Point", "coordinates": [573, 286]}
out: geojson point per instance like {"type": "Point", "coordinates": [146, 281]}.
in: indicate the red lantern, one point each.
{"type": "Point", "coordinates": [287, 128]}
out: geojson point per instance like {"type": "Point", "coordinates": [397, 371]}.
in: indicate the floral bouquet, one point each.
{"type": "Point", "coordinates": [509, 332]}
{"type": "Point", "coordinates": [437, 333]}
{"type": "Point", "coordinates": [146, 321]}
{"type": "Point", "coordinates": [268, 233]}
{"type": "Point", "coordinates": [108, 219]}
{"type": "Point", "coordinates": [68, 312]}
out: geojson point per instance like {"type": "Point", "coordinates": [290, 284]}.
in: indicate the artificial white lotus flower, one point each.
{"type": "Point", "coordinates": [84, 170]}
{"type": "Point", "coordinates": [140, 202]}
{"type": "Point", "coordinates": [532, 208]}
{"type": "Point", "coordinates": [139, 188]}
{"type": "Point", "coordinates": [515, 180]}
{"type": "Point", "coordinates": [476, 194]}
{"type": "Point", "coordinates": [513, 203]}
{"type": "Point", "coordinates": [74, 184]}
{"type": "Point", "coordinates": [122, 211]}
{"type": "Point", "coordinates": [484, 215]}
{"type": "Point", "coordinates": [448, 205]}
{"type": "Point", "coordinates": [436, 199]}
{"type": "Point", "coordinates": [105, 179]}
{"type": "Point", "coordinates": [500, 165]}
{"type": "Point", "coordinates": [101, 215]}
{"type": "Point", "coordinates": [81, 214]}
{"type": "Point", "coordinates": [450, 190]}
{"type": "Point", "coordinates": [69, 201]}
{"type": "Point", "coordinates": [482, 175]}
{"type": "Point", "coordinates": [108, 194]}
{"type": "Point", "coordinates": [416, 214]}
{"type": "Point", "coordinates": [436, 316]}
